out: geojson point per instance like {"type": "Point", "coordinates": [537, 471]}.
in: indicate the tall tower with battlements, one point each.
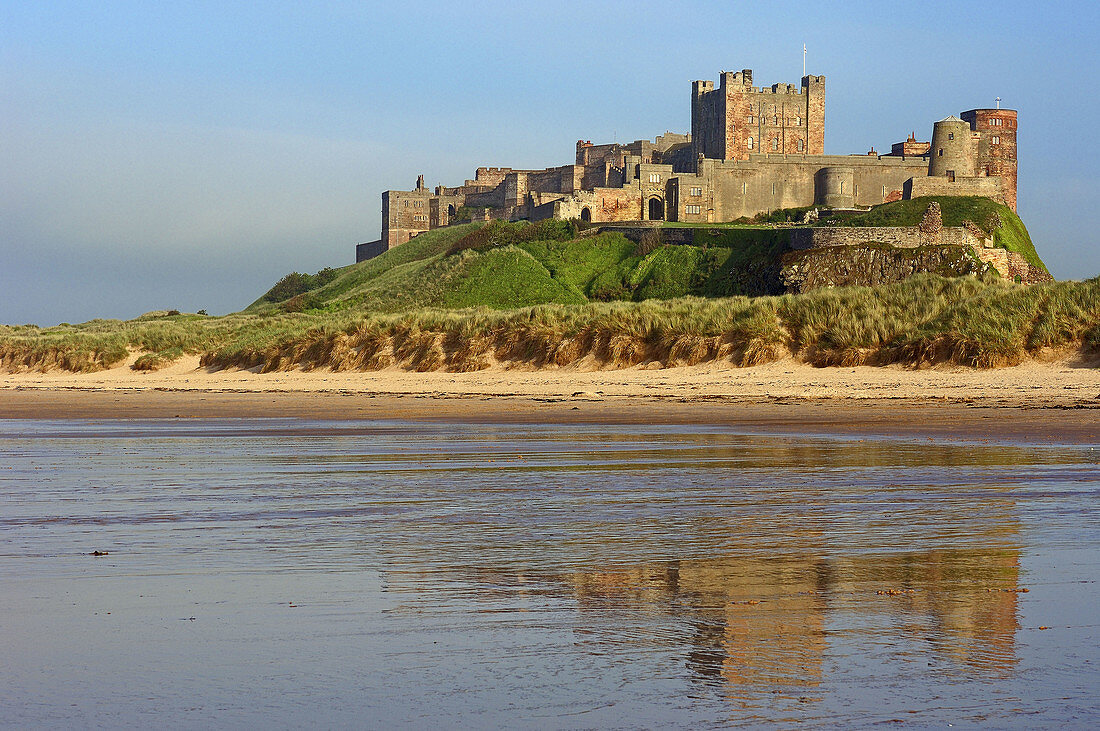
{"type": "Point", "coordinates": [738, 119]}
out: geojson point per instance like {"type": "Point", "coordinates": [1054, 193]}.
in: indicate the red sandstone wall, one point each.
{"type": "Point", "coordinates": [996, 158]}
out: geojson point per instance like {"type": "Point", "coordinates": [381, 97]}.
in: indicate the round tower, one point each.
{"type": "Point", "coordinates": [952, 151]}
{"type": "Point", "coordinates": [836, 187]}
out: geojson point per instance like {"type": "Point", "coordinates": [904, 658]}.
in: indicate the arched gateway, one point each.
{"type": "Point", "coordinates": [656, 209]}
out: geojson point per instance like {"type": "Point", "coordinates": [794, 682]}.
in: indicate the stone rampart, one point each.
{"type": "Point", "coordinates": [369, 250]}
{"type": "Point", "coordinates": [904, 237]}
{"type": "Point", "coordinates": [986, 187]}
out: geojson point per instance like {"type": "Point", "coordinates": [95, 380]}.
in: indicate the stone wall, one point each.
{"type": "Point", "coordinates": [979, 186]}
{"type": "Point", "coordinates": [1011, 265]}
{"type": "Point", "coordinates": [603, 204]}
{"type": "Point", "coordinates": [903, 237]}
{"type": "Point", "coordinates": [369, 250]}
{"type": "Point", "coordinates": [404, 214]}
{"type": "Point", "coordinates": [771, 182]}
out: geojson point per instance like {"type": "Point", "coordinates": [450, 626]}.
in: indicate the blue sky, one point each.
{"type": "Point", "coordinates": [186, 155]}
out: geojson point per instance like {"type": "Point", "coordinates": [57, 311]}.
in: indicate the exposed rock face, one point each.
{"type": "Point", "coordinates": [842, 266]}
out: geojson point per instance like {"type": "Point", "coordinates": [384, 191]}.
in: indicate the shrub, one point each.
{"type": "Point", "coordinates": [296, 283]}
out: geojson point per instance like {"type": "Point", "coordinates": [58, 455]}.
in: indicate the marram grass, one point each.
{"type": "Point", "coordinates": [926, 319]}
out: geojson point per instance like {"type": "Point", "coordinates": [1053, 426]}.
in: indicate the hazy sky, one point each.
{"type": "Point", "coordinates": [188, 154]}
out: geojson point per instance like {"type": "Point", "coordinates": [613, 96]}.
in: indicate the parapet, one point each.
{"type": "Point", "coordinates": [701, 87]}
{"type": "Point", "coordinates": [736, 78]}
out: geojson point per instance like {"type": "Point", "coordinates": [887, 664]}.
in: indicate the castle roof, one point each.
{"type": "Point", "coordinates": [952, 118]}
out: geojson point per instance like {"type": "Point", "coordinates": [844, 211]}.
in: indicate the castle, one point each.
{"type": "Point", "coordinates": [751, 150]}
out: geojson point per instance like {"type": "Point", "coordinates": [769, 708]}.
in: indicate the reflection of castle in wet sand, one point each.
{"type": "Point", "coordinates": [770, 621]}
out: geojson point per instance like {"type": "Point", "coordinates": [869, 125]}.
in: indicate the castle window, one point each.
{"type": "Point", "coordinates": [749, 143]}
{"type": "Point", "coordinates": [775, 143]}
{"type": "Point", "coordinates": [801, 145]}
{"type": "Point", "coordinates": [798, 121]}
{"type": "Point", "coordinates": [406, 204]}
{"type": "Point", "coordinates": [693, 209]}
{"type": "Point", "coordinates": [775, 119]}
{"type": "Point", "coordinates": [696, 191]}
{"type": "Point", "coordinates": [752, 119]}
{"type": "Point", "coordinates": [654, 178]}
{"type": "Point", "coordinates": [940, 153]}
{"type": "Point", "coordinates": [996, 140]}
{"type": "Point", "coordinates": [950, 135]}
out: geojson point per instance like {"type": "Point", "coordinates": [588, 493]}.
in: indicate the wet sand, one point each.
{"type": "Point", "coordinates": [1034, 403]}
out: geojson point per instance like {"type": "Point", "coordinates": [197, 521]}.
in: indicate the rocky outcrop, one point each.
{"type": "Point", "coordinates": [873, 264]}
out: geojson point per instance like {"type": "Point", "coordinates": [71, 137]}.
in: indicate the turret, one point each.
{"type": "Point", "coordinates": [953, 152]}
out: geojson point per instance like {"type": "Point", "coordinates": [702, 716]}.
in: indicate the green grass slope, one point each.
{"type": "Point", "coordinates": [507, 265]}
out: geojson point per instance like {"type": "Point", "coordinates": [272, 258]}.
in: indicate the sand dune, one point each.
{"type": "Point", "coordinates": [1060, 384]}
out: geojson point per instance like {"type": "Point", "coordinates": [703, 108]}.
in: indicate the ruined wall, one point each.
{"type": "Point", "coordinates": [1011, 265]}
{"type": "Point", "coordinates": [1008, 264]}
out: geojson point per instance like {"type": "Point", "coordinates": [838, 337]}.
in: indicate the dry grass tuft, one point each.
{"type": "Point", "coordinates": [923, 320]}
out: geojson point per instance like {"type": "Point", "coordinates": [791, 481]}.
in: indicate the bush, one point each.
{"type": "Point", "coordinates": [296, 283]}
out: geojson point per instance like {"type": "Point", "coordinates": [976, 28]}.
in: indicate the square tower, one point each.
{"type": "Point", "coordinates": [996, 130]}
{"type": "Point", "coordinates": [738, 119]}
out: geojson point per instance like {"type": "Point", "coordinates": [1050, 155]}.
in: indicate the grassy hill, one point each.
{"type": "Point", "coordinates": [507, 265]}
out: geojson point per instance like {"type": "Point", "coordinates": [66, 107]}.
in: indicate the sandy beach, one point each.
{"type": "Point", "coordinates": [1036, 400]}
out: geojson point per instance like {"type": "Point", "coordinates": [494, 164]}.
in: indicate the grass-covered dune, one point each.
{"type": "Point", "coordinates": [982, 322]}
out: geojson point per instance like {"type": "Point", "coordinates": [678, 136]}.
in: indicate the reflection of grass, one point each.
{"type": "Point", "coordinates": [922, 319]}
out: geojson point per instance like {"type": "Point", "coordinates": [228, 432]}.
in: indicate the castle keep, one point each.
{"type": "Point", "coordinates": [751, 150]}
